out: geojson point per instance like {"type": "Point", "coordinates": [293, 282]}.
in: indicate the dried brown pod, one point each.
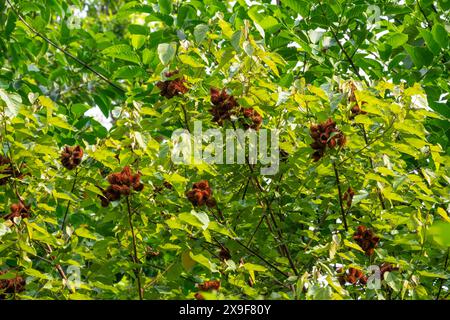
{"type": "Point", "coordinates": [251, 119]}
{"type": "Point", "coordinates": [10, 286]}
{"type": "Point", "coordinates": [348, 196]}
{"type": "Point", "coordinates": [324, 135]}
{"type": "Point", "coordinates": [224, 254]}
{"type": "Point", "coordinates": [71, 157]}
{"type": "Point", "coordinates": [355, 276]}
{"type": "Point", "coordinates": [18, 210]}
{"type": "Point", "coordinates": [366, 239]}
{"type": "Point", "coordinates": [387, 267]}
{"type": "Point", "coordinates": [356, 110]}
{"type": "Point", "coordinates": [172, 88]}
{"type": "Point", "coordinates": [209, 285]}
{"type": "Point", "coordinates": [224, 105]}
{"type": "Point", "coordinates": [121, 184]}
{"type": "Point", "coordinates": [200, 194]}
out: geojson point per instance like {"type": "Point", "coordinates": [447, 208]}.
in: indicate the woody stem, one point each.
{"type": "Point", "coordinates": [63, 224]}
{"type": "Point", "coordinates": [344, 217]}
{"type": "Point", "coordinates": [135, 256]}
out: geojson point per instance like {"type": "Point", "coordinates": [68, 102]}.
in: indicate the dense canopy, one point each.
{"type": "Point", "coordinates": [93, 206]}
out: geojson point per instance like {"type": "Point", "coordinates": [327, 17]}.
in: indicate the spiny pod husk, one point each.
{"type": "Point", "coordinates": [71, 157]}
{"type": "Point", "coordinates": [200, 194]}
{"type": "Point", "coordinates": [172, 88]}
{"type": "Point", "coordinates": [366, 239]}
{"type": "Point", "coordinates": [18, 210]}
{"type": "Point", "coordinates": [325, 134]}
{"type": "Point", "coordinates": [224, 105]}
{"type": "Point", "coordinates": [251, 119]}
{"type": "Point", "coordinates": [121, 184]}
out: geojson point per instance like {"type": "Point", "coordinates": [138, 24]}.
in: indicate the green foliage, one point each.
{"type": "Point", "coordinates": [296, 63]}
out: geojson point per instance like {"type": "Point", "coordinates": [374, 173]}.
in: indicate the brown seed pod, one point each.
{"type": "Point", "coordinates": [172, 88]}
{"type": "Point", "coordinates": [121, 184]}
{"type": "Point", "coordinates": [10, 286]}
{"type": "Point", "coordinates": [387, 267]}
{"type": "Point", "coordinates": [209, 285]}
{"type": "Point", "coordinates": [251, 119]}
{"type": "Point", "coordinates": [71, 157]}
{"type": "Point", "coordinates": [354, 276]}
{"type": "Point", "coordinates": [18, 210]}
{"type": "Point", "coordinates": [224, 105]}
{"type": "Point", "coordinates": [200, 194]}
{"type": "Point", "coordinates": [366, 239]}
{"type": "Point", "coordinates": [224, 254]}
{"type": "Point", "coordinates": [348, 196]}
{"type": "Point", "coordinates": [323, 135]}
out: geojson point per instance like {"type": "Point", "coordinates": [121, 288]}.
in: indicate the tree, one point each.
{"type": "Point", "coordinates": [94, 207]}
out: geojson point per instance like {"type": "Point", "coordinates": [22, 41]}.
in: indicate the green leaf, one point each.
{"type": "Point", "coordinates": [190, 61]}
{"type": "Point", "coordinates": [12, 101]}
{"type": "Point", "coordinates": [420, 56]}
{"type": "Point", "coordinates": [396, 39]}
{"type": "Point", "coordinates": [254, 267]}
{"type": "Point", "coordinates": [443, 214]}
{"type": "Point", "coordinates": [200, 32]}
{"type": "Point", "coordinates": [353, 245]}
{"type": "Point", "coordinates": [440, 35]}
{"type": "Point", "coordinates": [129, 72]}
{"type": "Point", "coordinates": [299, 6]}
{"type": "Point", "coordinates": [58, 122]}
{"type": "Point", "coordinates": [166, 52]}
{"type": "Point", "coordinates": [429, 40]}
{"type": "Point", "coordinates": [123, 52]}
{"type": "Point", "coordinates": [440, 233]}
{"type": "Point", "coordinates": [137, 40]}
{"type": "Point", "coordinates": [85, 233]}
{"type": "Point", "coordinates": [165, 6]}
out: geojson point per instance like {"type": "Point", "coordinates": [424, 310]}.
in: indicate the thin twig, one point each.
{"type": "Point", "coordinates": [69, 202]}
{"type": "Point", "coordinates": [84, 64]}
{"type": "Point", "coordinates": [344, 217]}
{"type": "Point", "coordinates": [135, 256]}
{"type": "Point", "coordinates": [445, 270]}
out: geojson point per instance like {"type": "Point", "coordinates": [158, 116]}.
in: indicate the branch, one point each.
{"type": "Point", "coordinates": [135, 257]}
{"type": "Point", "coordinates": [445, 270]}
{"type": "Point", "coordinates": [349, 59]}
{"type": "Point", "coordinates": [344, 217]}
{"type": "Point", "coordinates": [68, 203]}
{"type": "Point", "coordinates": [53, 44]}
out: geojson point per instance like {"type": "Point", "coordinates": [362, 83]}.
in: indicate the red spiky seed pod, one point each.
{"type": "Point", "coordinates": [121, 184]}
{"type": "Point", "coordinates": [200, 193]}
{"type": "Point", "coordinates": [355, 276]}
{"type": "Point", "coordinates": [224, 105]}
{"type": "Point", "coordinates": [11, 286]}
{"type": "Point", "coordinates": [71, 157]}
{"type": "Point", "coordinates": [366, 239]}
{"type": "Point", "coordinates": [251, 119]}
{"type": "Point", "coordinates": [172, 88]}
{"type": "Point", "coordinates": [18, 210]}
{"type": "Point", "coordinates": [323, 135]}
{"type": "Point", "coordinates": [209, 285]}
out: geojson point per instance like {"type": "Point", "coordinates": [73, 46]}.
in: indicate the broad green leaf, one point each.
{"type": "Point", "coordinates": [123, 52]}
{"type": "Point", "coordinates": [166, 52]}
